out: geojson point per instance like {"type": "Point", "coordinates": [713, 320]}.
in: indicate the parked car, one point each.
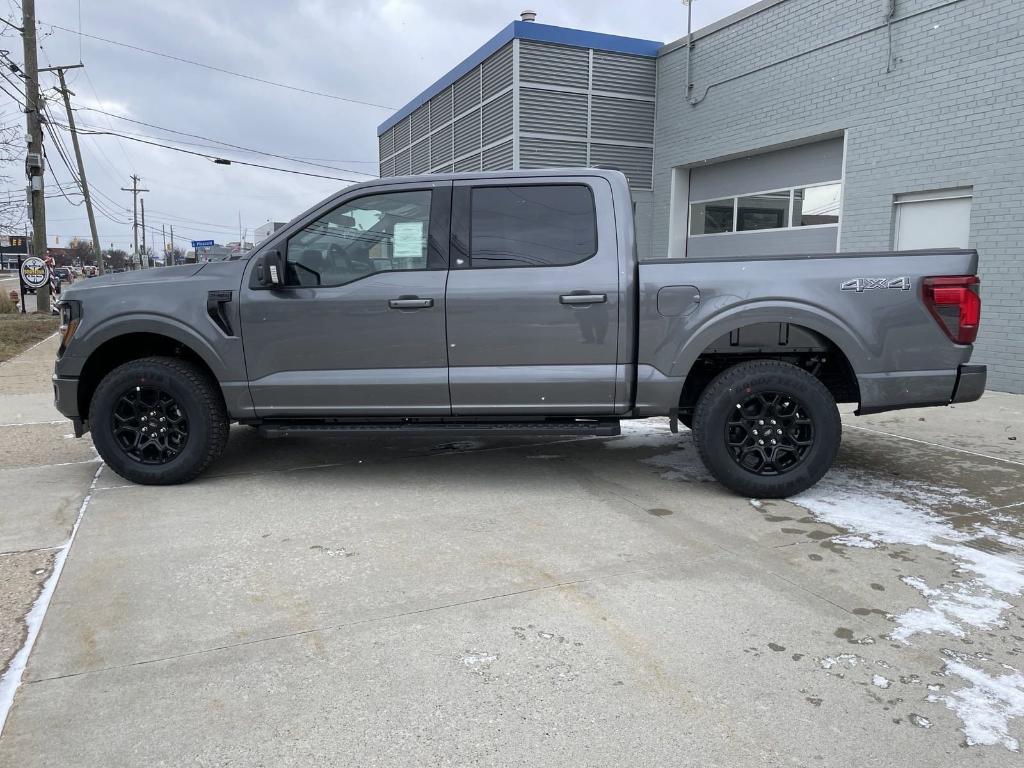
{"type": "Point", "coordinates": [510, 303]}
{"type": "Point", "coordinates": [64, 273]}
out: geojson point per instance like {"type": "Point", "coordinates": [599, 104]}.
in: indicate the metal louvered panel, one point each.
{"type": "Point", "coordinates": [420, 121]}
{"type": "Point", "coordinates": [625, 74]}
{"type": "Point", "coordinates": [467, 133]}
{"type": "Point", "coordinates": [635, 162]}
{"type": "Point", "coordinates": [386, 143]}
{"type": "Point", "coordinates": [467, 91]}
{"type": "Point", "coordinates": [441, 146]}
{"type": "Point", "coordinates": [441, 109]}
{"type": "Point", "coordinates": [498, 158]}
{"type": "Point", "coordinates": [387, 167]}
{"type": "Point", "coordinates": [548, 153]}
{"type": "Point", "coordinates": [447, 169]}
{"type": "Point", "coordinates": [622, 119]}
{"type": "Point", "coordinates": [553, 64]}
{"type": "Point", "coordinates": [420, 159]}
{"type": "Point", "coordinates": [470, 163]}
{"type": "Point", "coordinates": [497, 72]}
{"type": "Point", "coordinates": [403, 163]}
{"type": "Point", "coordinates": [497, 121]}
{"type": "Point", "coordinates": [402, 134]}
{"type": "Point", "coordinates": [552, 112]}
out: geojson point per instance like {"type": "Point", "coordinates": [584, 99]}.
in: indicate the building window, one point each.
{"type": "Point", "coordinates": [813, 205]}
{"type": "Point", "coordinates": [937, 219]}
{"type": "Point", "coordinates": [817, 205]}
{"type": "Point", "coordinates": [767, 211]}
{"type": "Point", "coordinates": [713, 217]}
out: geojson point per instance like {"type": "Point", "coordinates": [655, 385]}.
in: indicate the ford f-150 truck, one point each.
{"type": "Point", "coordinates": [510, 303]}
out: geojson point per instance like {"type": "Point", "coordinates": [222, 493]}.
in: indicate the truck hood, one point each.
{"type": "Point", "coordinates": [155, 276]}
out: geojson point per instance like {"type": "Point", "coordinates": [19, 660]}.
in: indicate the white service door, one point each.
{"type": "Point", "coordinates": [933, 224]}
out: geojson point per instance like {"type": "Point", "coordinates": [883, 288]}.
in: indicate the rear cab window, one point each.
{"type": "Point", "coordinates": [532, 225]}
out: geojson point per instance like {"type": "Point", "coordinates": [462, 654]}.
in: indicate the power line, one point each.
{"type": "Point", "coordinates": [220, 69]}
{"type": "Point", "coordinates": [290, 158]}
{"type": "Point", "coordinates": [217, 158]}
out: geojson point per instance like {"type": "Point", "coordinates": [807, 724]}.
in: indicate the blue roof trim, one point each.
{"type": "Point", "coordinates": [528, 30]}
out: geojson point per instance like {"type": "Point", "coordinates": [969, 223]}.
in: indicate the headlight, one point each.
{"type": "Point", "coordinates": [70, 317]}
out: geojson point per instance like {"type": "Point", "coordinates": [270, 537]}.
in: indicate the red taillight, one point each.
{"type": "Point", "coordinates": [955, 303]}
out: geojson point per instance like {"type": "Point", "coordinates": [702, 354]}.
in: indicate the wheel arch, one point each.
{"type": "Point", "coordinates": [124, 343]}
{"type": "Point", "coordinates": [823, 344]}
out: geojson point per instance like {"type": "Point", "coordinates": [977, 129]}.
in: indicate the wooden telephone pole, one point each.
{"type": "Point", "coordinates": [134, 189]}
{"type": "Point", "coordinates": [34, 159]}
{"type": "Point", "coordinates": [81, 166]}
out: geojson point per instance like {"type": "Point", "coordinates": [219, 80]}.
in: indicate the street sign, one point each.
{"type": "Point", "coordinates": [202, 243]}
{"type": "Point", "coordinates": [34, 272]}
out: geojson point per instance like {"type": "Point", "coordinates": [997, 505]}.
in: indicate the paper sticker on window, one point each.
{"type": "Point", "coordinates": [409, 240]}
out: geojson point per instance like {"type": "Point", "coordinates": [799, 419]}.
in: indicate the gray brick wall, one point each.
{"type": "Point", "coordinates": [949, 114]}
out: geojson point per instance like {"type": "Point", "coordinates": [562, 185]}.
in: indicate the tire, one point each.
{"type": "Point", "coordinates": [153, 394]}
{"type": "Point", "coordinates": [784, 404]}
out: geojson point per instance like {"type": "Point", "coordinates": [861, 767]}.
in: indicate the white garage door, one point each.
{"type": "Point", "coordinates": [933, 220]}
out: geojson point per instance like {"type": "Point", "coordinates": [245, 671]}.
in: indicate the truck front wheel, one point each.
{"type": "Point", "coordinates": [767, 429]}
{"type": "Point", "coordinates": [158, 420]}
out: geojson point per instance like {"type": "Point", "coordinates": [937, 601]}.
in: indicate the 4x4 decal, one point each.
{"type": "Point", "coordinates": [861, 284]}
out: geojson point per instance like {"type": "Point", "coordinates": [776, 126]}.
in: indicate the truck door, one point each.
{"type": "Point", "coordinates": [359, 327]}
{"type": "Point", "coordinates": [533, 297]}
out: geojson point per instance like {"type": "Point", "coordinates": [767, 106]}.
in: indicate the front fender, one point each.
{"type": "Point", "coordinates": [90, 338]}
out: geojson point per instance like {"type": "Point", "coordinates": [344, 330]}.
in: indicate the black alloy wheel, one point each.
{"type": "Point", "coordinates": [149, 425]}
{"type": "Point", "coordinates": [767, 429]}
{"type": "Point", "coordinates": [770, 433]}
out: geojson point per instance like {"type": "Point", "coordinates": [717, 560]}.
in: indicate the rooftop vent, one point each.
{"type": "Point", "coordinates": [528, 15]}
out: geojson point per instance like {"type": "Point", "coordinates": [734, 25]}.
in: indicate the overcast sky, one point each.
{"type": "Point", "coordinates": [378, 51]}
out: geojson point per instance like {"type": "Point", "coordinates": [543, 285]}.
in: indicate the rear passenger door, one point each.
{"type": "Point", "coordinates": [533, 297]}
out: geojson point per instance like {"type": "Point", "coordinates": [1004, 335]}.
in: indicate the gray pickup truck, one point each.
{"type": "Point", "coordinates": [510, 303]}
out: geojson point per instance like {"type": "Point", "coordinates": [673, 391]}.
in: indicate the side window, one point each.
{"type": "Point", "coordinates": [377, 233]}
{"type": "Point", "coordinates": [532, 225]}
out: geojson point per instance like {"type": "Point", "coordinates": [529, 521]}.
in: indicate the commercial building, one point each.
{"type": "Point", "coordinates": [807, 126]}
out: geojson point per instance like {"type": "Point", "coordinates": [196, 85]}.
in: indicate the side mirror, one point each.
{"type": "Point", "coordinates": [270, 270]}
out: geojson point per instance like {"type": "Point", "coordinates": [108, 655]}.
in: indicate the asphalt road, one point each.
{"type": "Point", "coordinates": [590, 602]}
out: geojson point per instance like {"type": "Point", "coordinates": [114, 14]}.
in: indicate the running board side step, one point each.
{"type": "Point", "coordinates": [598, 427]}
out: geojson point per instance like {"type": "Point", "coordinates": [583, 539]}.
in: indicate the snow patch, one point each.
{"type": "Point", "coordinates": [880, 682]}
{"type": "Point", "coordinates": [986, 707]}
{"type": "Point", "coordinates": [850, 540]}
{"type": "Point", "coordinates": [644, 433]}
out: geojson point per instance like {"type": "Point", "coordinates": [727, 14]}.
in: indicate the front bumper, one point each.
{"type": "Point", "coordinates": [970, 383]}
{"type": "Point", "coordinates": [65, 398]}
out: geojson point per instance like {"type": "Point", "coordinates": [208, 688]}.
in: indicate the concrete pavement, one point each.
{"type": "Point", "coordinates": [386, 601]}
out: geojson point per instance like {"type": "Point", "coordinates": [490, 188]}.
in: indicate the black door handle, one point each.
{"type": "Point", "coordinates": [410, 302]}
{"type": "Point", "coordinates": [584, 298]}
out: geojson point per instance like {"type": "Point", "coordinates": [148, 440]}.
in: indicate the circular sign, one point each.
{"type": "Point", "coordinates": [34, 272]}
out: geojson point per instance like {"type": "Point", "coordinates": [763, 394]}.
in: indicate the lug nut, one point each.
{"type": "Point", "coordinates": [773, 421]}
{"type": "Point", "coordinates": [143, 429]}
{"type": "Point", "coordinates": [773, 442]}
{"type": "Point", "coordinates": [755, 432]}
{"type": "Point", "coordinates": [760, 442]}
{"type": "Point", "coordinates": [761, 422]}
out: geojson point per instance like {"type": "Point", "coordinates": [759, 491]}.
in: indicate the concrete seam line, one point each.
{"type": "Point", "coordinates": [34, 423]}
{"type": "Point", "coordinates": [50, 466]}
{"type": "Point", "coordinates": [11, 680]}
{"type": "Point", "coordinates": [936, 445]}
{"type": "Point", "coordinates": [26, 351]}
{"type": "Point", "coordinates": [360, 622]}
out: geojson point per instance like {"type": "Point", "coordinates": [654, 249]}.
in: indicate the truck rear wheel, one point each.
{"type": "Point", "coordinates": [158, 421]}
{"type": "Point", "coordinates": [767, 429]}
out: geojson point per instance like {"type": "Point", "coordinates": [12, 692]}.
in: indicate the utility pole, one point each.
{"type": "Point", "coordinates": [34, 159]}
{"type": "Point", "coordinates": [163, 231]}
{"type": "Point", "coordinates": [172, 246]}
{"type": "Point", "coordinates": [145, 253]}
{"type": "Point", "coordinates": [134, 189]}
{"type": "Point", "coordinates": [81, 166]}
